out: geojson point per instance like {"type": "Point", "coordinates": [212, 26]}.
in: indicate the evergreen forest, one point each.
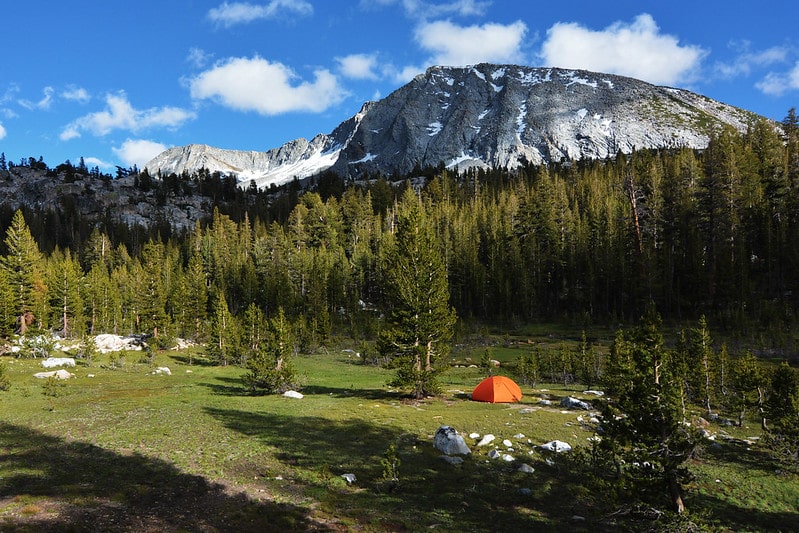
{"type": "Point", "coordinates": [712, 232]}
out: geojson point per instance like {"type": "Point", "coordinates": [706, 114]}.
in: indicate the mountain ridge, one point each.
{"type": "Point", "coordinates": [483, 115]}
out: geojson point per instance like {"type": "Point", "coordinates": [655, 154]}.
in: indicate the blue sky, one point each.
{"type": "Point", "coordinates": [117, 82]}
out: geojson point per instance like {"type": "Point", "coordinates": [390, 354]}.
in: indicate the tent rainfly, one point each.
{"type": "Point", "coordinates": [497, 389]}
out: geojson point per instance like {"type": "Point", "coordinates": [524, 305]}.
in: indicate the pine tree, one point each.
{"type": "Point", "coordinates": [749, 382]}
{"type": "Point", "coordinates": [270, 365]}
{"type": "Point", "coordinates": [782, 409]}
{"type": "Point", "coordinates": [643, 425]}
{"type": "Point", "coordinates": [66, 296]}
{"type": "Point", "coordinates": [23, 267]}
{"type": "Point", "coordinates": [224, 338]}
{"type": "Point", "coordinates": [420, 320]}
{"type": "Point", "coordinates": [153, 299]}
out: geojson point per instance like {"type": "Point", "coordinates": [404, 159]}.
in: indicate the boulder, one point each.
{"type": "Point", "coordinates": [53, 362]}
{"type": "Point", "coordinates": [574, 403]}
{"type": "Point", "coordinates": [107, 342]}
{"type": "Point", "coordinates": [293, 394]}
{"type": "Point", "coordinates": [349, 478]}
{"type": "Point", "coordinates": [162, 370]}
{"type": "Point", "coordinates": [449, 442]}
{"type": "Point", "coordinates": [527, 469]}
{"type": "Point", "coordinates": [57, 374]}
{"type": "Point", "coordinates": [557, 446]}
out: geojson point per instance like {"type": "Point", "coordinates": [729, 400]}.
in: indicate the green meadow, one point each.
{"type": "Point", "coordinates": [125, 450]}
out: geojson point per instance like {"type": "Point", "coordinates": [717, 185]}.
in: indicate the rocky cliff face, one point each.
{"type": "Point", "coordinates": [486, 115]}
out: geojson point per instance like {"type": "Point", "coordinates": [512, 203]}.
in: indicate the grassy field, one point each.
{"type": "Point", "coordinates": [125, 450]}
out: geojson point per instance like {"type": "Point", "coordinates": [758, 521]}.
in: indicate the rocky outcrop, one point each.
{"type": "Point", "coordinates": [486, 115]}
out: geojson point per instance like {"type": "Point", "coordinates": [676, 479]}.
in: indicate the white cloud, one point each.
{"type": "Point", "coordinates": [267, 88]}
{"type": "Point", "coordinates": [404, 74]}
{"type": "Point", "coordinates": [358, 66]}
{"type": "Point", "coordinates": [198, 57]}
{"type": "Point", "coordinates": [2, 132]}
{"type": "Point", "coordinates": [228, 15]}
{"type": "Point", "coordinates": [138, 152]}
{"type": "Point", "coordinates": [637, 49]}
{"type": "Point", "coordinates": [121, 115]}
{"type": "Point", "coordinates": [454, 45]}
{"type": "Point", "coordinates": [778, 83]}
{"type": "Point", "coordinates": [746, 60]}
{"type": "Point", "coordinates": [77, 94]}
{"type": "Point", "coordinates": [96, 162]}
{"type": "Point", "coordinates": [44, 103]}
{"type": "Point", "coordinates": [428, 10]}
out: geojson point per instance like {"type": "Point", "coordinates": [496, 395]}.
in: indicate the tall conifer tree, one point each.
{"type": "Point", "coordinates": [419, 318]}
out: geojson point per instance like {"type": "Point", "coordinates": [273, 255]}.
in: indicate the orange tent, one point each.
{"type": "Point", "coordinates": [497, 389]}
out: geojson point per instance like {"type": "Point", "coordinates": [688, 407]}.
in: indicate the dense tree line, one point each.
{"type": "Point", "coordinates": [712, 232]}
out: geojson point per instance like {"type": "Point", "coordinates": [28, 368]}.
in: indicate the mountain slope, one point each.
{"type": "Point", "coordinates": [485, 115]}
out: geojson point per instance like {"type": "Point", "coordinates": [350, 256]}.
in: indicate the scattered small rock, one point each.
{"type": "Point", "coordinates": [293, 394]}
{"type": "Point", "coordinates": [486, 440]}
{"type": "Point", "coordinates": [527, 469]}
{"type": "Point", "coordinates": [349, 478]}
{"type": "Point", "coordinates": [493, 454]}
{"type": "Point", "coordinates": [506, 443]}
{"type": "Point", "coordinates": [162, 370]}
{"type": "Point", "coordinates": [474, 435]}
{"type": "Point", "coordinates": [524, 491]}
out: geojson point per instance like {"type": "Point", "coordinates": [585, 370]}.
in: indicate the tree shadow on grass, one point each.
{"type": "Point", "coordinates": [48, 484]}
{"type": "Point", "coordinates": [225, 386]}
{"type": "Point", "coordinates": [730, 517]}
{"type": "Point", "coordinates": [352, 392]}
{"type": "Point", "coordinates": [430, 494]}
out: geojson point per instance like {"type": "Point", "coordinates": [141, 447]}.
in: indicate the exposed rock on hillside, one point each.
{"type": "Point", "coordinates": [486, 115]}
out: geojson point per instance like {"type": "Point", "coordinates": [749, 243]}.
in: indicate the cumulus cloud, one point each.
{"type": "Point", "coordinates": [454, 45]}
{"type": "Point", "coordinates": [778, 83]}
{"type": "Point", "coordinates": [637, 49]}
{"type": "Point", "coordinates": [121, 115]}
{"type": "Point", "coordinates": [255, 84]}
{"type": "Point", "coordinates": [231, 14]}
{"type": "Point", "coordinates": [358, 66]}
{"type": "Point", "coordinates": [77, 94]}
{"type": "Point", "coordinates": [138, 151]}
{"type": "Point", "coordinates": [2, 132]}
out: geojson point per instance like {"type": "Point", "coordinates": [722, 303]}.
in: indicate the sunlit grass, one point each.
{"type": "Point", "coordinates": [125, 436]}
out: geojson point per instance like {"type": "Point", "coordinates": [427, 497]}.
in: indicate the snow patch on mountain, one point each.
{"type": "Point", "coordinates": [482, 115]}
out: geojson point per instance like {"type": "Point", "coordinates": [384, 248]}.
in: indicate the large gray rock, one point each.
{"type": "Point", "coordinates": [574, 403]}
{"type": "Point", "coordinates": [484, 115]}
{"type": "Point", "coordinates": [449, 442]}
